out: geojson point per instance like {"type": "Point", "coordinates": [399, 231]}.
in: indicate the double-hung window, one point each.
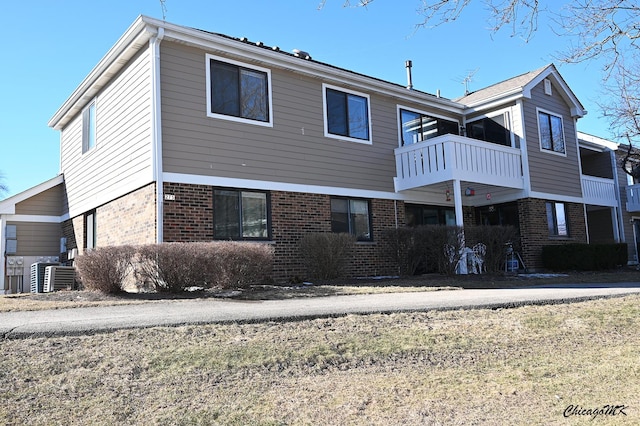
{"type": "Point", "coordinates": [551, 132]}
{"type": "Point", "coordinates": [557, 220]}
{"type": "Point", "coordinates": [351, 216]}
{"type": "Point", "coordinates": [418, 127]}
{"type": "Point", "coordinates": [89, 127]}
{"type": "Point", "coordinates": [240, 215]}
{"type": "Point", "coordinates": [346, 115]}
{"type": "Point", "coordinates": [238, 92]}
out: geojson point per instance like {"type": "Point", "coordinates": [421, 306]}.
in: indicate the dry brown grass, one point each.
{"type": "Point", "coordinates": [495, 367]}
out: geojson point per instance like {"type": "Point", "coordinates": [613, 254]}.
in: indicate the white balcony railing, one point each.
{"type": "Point", "coordinates": [633, 198]}
{"type": "Point", "coordinates": [451, 157]}
{"type": "Point", "coordinates": [599, 191]}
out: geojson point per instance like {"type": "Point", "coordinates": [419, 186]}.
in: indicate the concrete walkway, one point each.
{"type": "Point", "coordinates": [209, 311]}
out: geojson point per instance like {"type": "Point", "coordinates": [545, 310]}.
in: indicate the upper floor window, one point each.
{"type": "Point", "coordinates": [89, 127]}
{"type": "Point", "coordinates": [346, 115]}
{"type": "Point", "coordinates": [418, 127]}
{"type": "Point", "coordinates": [491, 129]}
{"type": "Point", "coordinates": [351, 216]}
{"type": "Point", "coordinates": [238, 92]}
{"type": "Point", "coordinates": [551, 132]}
{"type": "Point", "coordinates": [239, 215]}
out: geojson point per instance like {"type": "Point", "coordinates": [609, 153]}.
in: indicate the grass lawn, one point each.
{"type": "Point", "coordinates": [527, 365]}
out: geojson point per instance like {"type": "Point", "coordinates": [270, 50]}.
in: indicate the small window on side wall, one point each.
{"type": "Point", "coordinates": [351, 216]}
{"type": "Point", "coordinates": [90, 230]}
{"type": "Point", "coordinates": [557, 220]}
{"type": "Point", "coordinates": [89, 127]}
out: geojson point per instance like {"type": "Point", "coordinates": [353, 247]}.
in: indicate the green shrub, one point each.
{"type": "Point", "coordinates": [326, 254]}
{"type": "Point", "coordinates": [104, 269]}
{"type": "Point", "coordinates": [584, 257]}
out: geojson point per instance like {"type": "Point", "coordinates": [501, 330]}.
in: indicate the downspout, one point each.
{"type": "Point", "coordinates": [156, 135]}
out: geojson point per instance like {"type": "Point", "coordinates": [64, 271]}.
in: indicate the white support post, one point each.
{"type": "Point", "coordinates": [457, 200]}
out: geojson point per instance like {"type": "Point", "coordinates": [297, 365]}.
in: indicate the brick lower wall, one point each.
{"type": "Point", "coordinates": [129, 219]}
{"type": "Point", "coordinates": [534, 233]}
{"type": "Point", "coordinates": [189, 217]}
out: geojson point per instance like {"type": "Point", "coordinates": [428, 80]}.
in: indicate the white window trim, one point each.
{"type": "Point", "coordinates": [326, 121]}
{"type": "Point", "coordinates": [208, 58]}
{"type": "Point", "coordinates": [418, 111]}
{"type": "Point", "coordinates": [550, 151]}
{"type": "Point", "coordinates": [85, 136]}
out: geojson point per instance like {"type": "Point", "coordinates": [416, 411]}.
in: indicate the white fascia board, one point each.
{"type": "Point", "coordinates": [556, 197]}
{"type": "Point", "coordinates": [34, 218]}
{"type": "Point", "coordinates": [494, 101]}
{"type": "Point", "coordinates": [134, 39]}
{"type": "Point", "coordinates": [599, 142]}
{"type": "Point", "coordinates": [577, 110]}
{"type": "Point", "coordinates": [225, 182]}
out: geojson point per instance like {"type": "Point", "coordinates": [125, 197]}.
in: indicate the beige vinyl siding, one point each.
{"type": "Point", "coordinates": [551, 173]}
{"type": "Point", "coordinates": [47, 203]}
{"type": "Point", "coordinates": [37, 239]}
{"type": "Point", "coordinates": [121, 160]}
{"type": "Point", "coordinates": [294, 150]}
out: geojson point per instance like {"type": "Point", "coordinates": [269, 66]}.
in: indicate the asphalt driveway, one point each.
{"type": "Point", "coordinates": [209, 311]}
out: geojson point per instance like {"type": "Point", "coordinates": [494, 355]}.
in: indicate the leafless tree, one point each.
{"type": "Point", "coordinates": [3, 188]}
{"type": "Point", "coordinates": [603, 30]}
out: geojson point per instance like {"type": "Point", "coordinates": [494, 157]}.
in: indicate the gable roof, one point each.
{"type": "Point", "coordinates": [520, 87]}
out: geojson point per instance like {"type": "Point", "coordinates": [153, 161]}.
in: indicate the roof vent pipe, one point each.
{"type": "Point", "coordinates": [409, 64]}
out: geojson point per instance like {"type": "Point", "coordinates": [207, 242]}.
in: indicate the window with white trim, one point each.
{"type": "Point", "coordinates": [557, 220]}
{"type": "Point", "coordinates": [346, 114]}
{"type": "Point", "coordinates": [551, 132]}
{"type": "Point", "coordinates": [240, 215]}
{"type": "Point", "coordinates": [89, 127]}
{"type": "Point", "coordinates": [238, 92]}
{"type": "Point", "coordinates": [351, 216]}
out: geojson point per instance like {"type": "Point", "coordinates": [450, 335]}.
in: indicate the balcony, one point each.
{"type": "Point", "coordinates": [451, 157]}
{"type": "Point", "coordinates": [599, 191]}
{"type": "Point", "coordinates": [633, 198]}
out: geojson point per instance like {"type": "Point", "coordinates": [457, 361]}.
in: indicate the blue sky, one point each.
{"type": "Point", "coordinates": [48, 47]}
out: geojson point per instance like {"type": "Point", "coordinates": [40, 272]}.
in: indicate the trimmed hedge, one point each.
{"type": "Point", "coordinates": [584, 257]}
{"type": "Point", "coordinates": [326, 254]}
{"type": "Point", "coordinates": [174, 267]}
{"type": "Point", "coordinates": [104, 269]}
